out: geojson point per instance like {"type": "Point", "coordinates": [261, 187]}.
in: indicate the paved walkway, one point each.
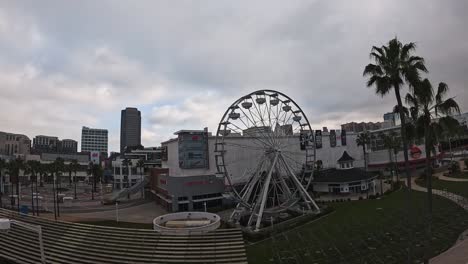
{"type": "Point", "coordinates": [458, 254]}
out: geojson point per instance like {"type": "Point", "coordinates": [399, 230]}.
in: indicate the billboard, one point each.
{"type": "Point", "coordinates": [332, 138]}
{"type": "Point", "coordinates": [304, 139]}
{"type": "Point", "coordinates": [94, 157]}
{"type": "Point", "coordinates": [318, 139]}
{"type": "Point", "coordinates": [343, 137]}
{"type": "Point", "coordinates": [193, 150]}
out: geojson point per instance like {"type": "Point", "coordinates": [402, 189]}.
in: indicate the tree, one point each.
{"type": "Point", "coordinates": [31, 168]}
{"type": "Point", "coordinates": [13, 168]}
{"type": "Point", "coordinates": [74, 166]}
{"type": "Point", "coordinates": [427, 106]}
{"type": "Point", "coordinates": [141, 166]}
{"type": "Point", "coordinates": [394, 67]}
{"type": "Point", "coordinates": [363, 139]}
{"type": "Point", "coordinates": [2, 181]}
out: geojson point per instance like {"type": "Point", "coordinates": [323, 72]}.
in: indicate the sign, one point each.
{"type": "Point", "coordinates": [304, 139]}
{"type": "Point", "coordinates": [318, 139]}
{"type": "Point", "coordinates": [94, 157]}
{"type": "Point", "coordinates": [193, 150]}
{"type": "Point", "coordinates": [415, 152]}
{"type": "Point", "coordinates": [332, 138]}
{"type": "Point", "coordinates": [343, 137]}
{"type": "Point", "coordinates": [338, 137]}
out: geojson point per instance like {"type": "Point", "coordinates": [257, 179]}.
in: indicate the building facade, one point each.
{"type": "Point", "coordinates": [14, 144]}
{"type": "Point", "coordinates": [68, 146]}
{"type": "Point", "coordinates": [360, 127]}
{"type": "Point", "coordinates": [130, 128]}
{"type": "Point", "coordinates": [52, 144]}
{"type": "Point", "coordinates": [94, 139]}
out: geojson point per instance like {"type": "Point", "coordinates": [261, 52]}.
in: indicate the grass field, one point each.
{"type": "Point", "coordinates": [369, 231]}
{"type": "Point", "coordinates": [460, 188]}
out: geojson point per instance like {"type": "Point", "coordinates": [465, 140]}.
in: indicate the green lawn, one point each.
{"type": "Point", "coordinates": [462, 174]}
{"type": "Point", "coordinates": [369, 231]}
{"type": "Point", "coordinates": [460, 188]}
{"type": "Point", "coordinates": [118, 224]}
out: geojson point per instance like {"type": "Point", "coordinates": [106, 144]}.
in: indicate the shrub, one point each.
{"type": "Point", "coordinates": [466, 164]}
{"type": "Point", "coordinates": [454, 167]}
{"type": "Point", "coordinates": [360, 197]}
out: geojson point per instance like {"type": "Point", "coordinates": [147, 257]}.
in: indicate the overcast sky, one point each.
{"type": "Point", "coordinates": [68, 64]}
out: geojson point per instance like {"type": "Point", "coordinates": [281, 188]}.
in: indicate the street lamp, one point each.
{"type": "Point", "coordinates": [5, 226]}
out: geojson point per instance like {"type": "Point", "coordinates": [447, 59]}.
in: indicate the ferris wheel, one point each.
{"type": "Point", "coordinates": [266, 153]}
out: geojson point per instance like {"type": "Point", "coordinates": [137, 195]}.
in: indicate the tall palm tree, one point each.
{"type": "Point", "coordinates": [394, 67]}
{"type": "Point", "coordinates": [30, 168]}
{"type": "Point", "coordinates": [14, 167]}
{"type": "Point", "coordinates": [363, 139]}
{"type": "Point", "coordinates": [2, 167]}
{"type": "Point", "coordinates": [429, 105]}
{"type": "Point", "coordinates": [74, 166]}
{"type": "Point", "coordinates": [141, 165]}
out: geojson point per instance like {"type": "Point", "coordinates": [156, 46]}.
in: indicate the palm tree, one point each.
{"type": "Point", "coordinates": [394, 67]}
{"type": "Point", "coordinates": [74, 166]}
{"type": "Point", "coordinates": [14, 167]}
{"type": "Point", "coordinates": [429, 105]}
{"type": "Point", "coordinates": [141, 165]}
{"type": "Point", "coordinates": [30, 168]}
{"type": "Point", "coordinates": [2, 167]}
{"type": "Point", "coordinates": [363, 139]}
{"type": "Point", "coordinates": [388, 144]}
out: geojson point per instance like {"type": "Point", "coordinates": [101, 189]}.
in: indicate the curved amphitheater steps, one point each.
{"type": "Point", "coordinates": [66, 242]}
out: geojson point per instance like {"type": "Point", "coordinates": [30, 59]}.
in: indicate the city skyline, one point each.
{"type": "Point", "coordinates": [182, 69]}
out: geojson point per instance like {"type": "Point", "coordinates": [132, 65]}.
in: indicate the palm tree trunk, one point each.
{"type": "Point", "coordinates": [429, 195]}
{"type": "Point", "coordinates": [396, 88]}
{"type": "Point", "coordinates": [17, 192]}
{"type": "Point", "coordinates": [32, 195]}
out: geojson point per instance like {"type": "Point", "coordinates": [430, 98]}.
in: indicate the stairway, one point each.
{"type": "Point", "coordinates": [66, 242]}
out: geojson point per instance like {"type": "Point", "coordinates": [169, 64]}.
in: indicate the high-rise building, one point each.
{"type": "Point", "coordinates": [360, 127]}
{"type": "Point", "coordinates": [130, 128]}
{"type": "Point", "coordinates": [94, 139]}
{"type": "Point", "coordinates": [14, 144]}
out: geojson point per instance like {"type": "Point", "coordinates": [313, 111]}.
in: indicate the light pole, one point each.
{"type": "Point", "coordinates": [5, 226]}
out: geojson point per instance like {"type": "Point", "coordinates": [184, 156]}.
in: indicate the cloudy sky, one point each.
{"type": "Point", "coordinates": [68, 64]}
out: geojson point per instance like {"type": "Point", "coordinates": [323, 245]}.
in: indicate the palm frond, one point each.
{"type": "Point", "coordinates": [406, 49]}
{"type": "Point", "coordinates": [448, 107]}
{"type": "Point", "coordinates": [442, 90]}
{"type": "Point", "coordinates": [372, 69]}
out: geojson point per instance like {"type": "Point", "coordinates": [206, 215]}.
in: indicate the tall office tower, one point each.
{"type": "Point", "coordinates": [130, 128]}
{"type": "Point", "coordinates": [94, 139]}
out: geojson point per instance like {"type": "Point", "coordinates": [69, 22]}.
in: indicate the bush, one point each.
{"type": "Point", "coordinates": [454, 167]}
{"type": "Point", "coordinates": [466, 164]}
{"type": "Point", "coordinates": [360, 197]}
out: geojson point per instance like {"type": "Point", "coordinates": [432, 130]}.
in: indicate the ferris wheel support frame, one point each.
{"type": "Point", "coordinates": [253, 197]}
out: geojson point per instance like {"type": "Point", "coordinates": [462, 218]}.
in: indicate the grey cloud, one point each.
{"type": "Point", "coordinates": [96, 57]}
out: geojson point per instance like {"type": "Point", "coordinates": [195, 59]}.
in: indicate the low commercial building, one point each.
{"type": "Point", "coordinates": [179, 193]}
{"type": "Point", "coordinates": [344, 179]}
{"type": "Point", "coordinates": [52, 144]}
{"type": "Point", "coordinates": [12, 144]}
{"type": "Point", "coordinates": [126, 175]}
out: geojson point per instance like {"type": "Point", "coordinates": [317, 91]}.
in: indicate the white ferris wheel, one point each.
{"type": "Point", "coordinates": [266, 152]}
